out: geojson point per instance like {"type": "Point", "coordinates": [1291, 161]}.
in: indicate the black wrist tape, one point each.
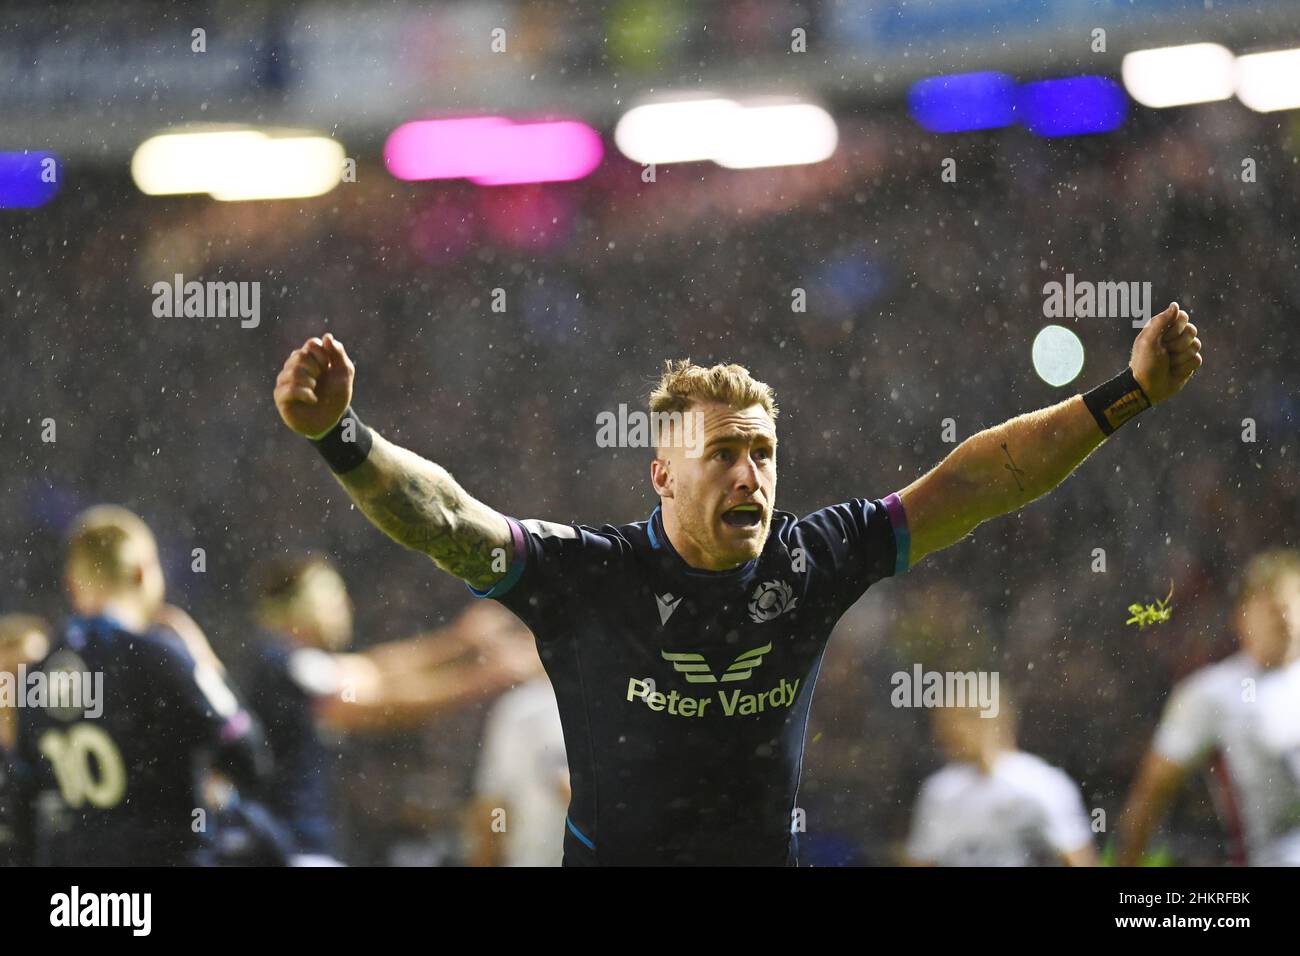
{"type": "Point", "coordinates": [346, 445]}
{"type": "Point", "coordinates": [1116, 401]}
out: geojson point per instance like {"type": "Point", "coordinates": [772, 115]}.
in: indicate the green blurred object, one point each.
{"type": "Point", "coordinates": [1160, 856]}
{"type": "Point", "coordinates": [1156, 613]}
{"type": "Point", "coordinates": [643, 32]}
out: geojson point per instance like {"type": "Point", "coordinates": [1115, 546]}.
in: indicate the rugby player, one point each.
{"type": "Point", "coordinates": [116, 775]}
{"type": "Point", "coordinates": [24, 640]}
{"type": "Point", "coordinates": [521, 785]}
{"type": "Point", "coordinates": [1240, 716]}
{"type": "Point", "coordinates": [683, 649]}
{"type": "Point", "coordinates": [306, 685]}
{"type": "Point", "coordinates": [994, 804]}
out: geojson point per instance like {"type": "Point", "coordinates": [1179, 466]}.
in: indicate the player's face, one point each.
{"type": "Point", "coordinates": [723, 495]}
{"type": "Point", "coordinates": [958, 733]}
{"type": "Point", "coordinates": [324, 609]}
{"type": "Point", "coordinates": [1268, 623]}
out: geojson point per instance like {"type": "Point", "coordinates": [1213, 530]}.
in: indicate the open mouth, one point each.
{"type": "Point", "coordinates": [743, 516]}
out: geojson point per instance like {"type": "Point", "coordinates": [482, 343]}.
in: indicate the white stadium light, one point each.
{"type": "Point", "coordinates": [731, 134]}
{"type": "Point", "coordinates": [682, 131]}
{"type": "Point", "coordinates": [788, 134]}
{"type": "Point", "coordinates": [1179, 75]}
{"type": "Point", "coordinates": [1057, 355]}
{"type": "Point", "coordinates": [1269, 81]}
{"type": "Point", "coordinates": [238, 164]}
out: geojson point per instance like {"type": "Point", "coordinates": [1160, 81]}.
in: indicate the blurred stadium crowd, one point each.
{"type": "Point", "coordinates": [923, 297]}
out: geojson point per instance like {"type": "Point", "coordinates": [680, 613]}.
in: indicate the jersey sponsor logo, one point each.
{"type": "Point", "coordinates": [730, 703]}
{"type": "Point", "coordinates": [697, 670]}
{"type": "Point", "coordinates": [771, 599]}
{"type": "Point", "coordinates": [667, 604]}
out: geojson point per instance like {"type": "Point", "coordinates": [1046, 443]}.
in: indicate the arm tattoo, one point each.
{"type": "Point", "coordinates": [419, 505]}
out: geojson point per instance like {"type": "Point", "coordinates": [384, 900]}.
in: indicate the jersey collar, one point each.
{"type": "Point", "coordinates": [659, 541]}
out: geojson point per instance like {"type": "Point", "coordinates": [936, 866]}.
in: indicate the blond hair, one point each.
{"type": "Point", "coordinates": [108, 544]}
{"type": "Point", "coordinates": [1268, 569]}
{"type": "Point", "coordinates": [683, 383]}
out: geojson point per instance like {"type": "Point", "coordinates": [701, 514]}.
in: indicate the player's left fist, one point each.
{"type": "Point", "coordinates": [1166, 354]}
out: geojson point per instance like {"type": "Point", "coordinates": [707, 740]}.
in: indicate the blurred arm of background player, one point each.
{"type": "Point", "coordinates": [191, 635]}
{"type": "Point", "coordinates": [484, 651]}
{"type": "Point", "coordinates": [412, 500]}
{"type": "Point", "coordinates": [1266, 622]}
{"type": "Point", "coordinates": [482, 628]}
{"type": "Point", "coordinates": [1004, 468]}
{"type": "Point", "coordinates": [1158, 782]}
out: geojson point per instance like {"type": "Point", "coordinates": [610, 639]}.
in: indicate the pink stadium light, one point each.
{"type": "Point", "coordinates": [493, 150]}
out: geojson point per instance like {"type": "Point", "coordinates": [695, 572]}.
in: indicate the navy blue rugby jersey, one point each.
{"type": "Point", "coordinates": [284, 690]}
{"type": "Point", "coordinates": [117, 783]}
{"type": "Point", "coordinates": [684, 693]}
{"type": "Point", "coordinates": [11, 845]}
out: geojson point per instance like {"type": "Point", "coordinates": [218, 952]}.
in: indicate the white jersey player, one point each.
{"type": "Point", "coordinates": [1241, 716]}
{"type": "Point", "coordinates": [994, 805]}
{"type": "Point", "coordinates": [522, 783]}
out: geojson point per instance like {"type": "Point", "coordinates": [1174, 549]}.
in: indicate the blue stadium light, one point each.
{"type": "Point", "coordinates": [1072, 106]}
{"type": "Point", "coordinates": [28, 179]}
{"type": "Point", "coordinates": [963, 101]}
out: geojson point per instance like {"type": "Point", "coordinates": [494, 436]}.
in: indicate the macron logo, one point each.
{"type": "Point", "coordinates": [132, 910]}
{"type": "Point", "coordinates": [667, 604]}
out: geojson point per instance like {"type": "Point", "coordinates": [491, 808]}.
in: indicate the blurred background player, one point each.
{"type": "Point", "coordinates": [24, 640]}
{"type": "Point", "coordinates": [521, 788]}
{"type": "Point", "coordinates": [305, 686]}
{"type": "Point", "coordinates": [118, 781]}
{"type": "Point", "coordinates": [995, 805]}
{"type": "Point", "coordinates": [1241, 717]}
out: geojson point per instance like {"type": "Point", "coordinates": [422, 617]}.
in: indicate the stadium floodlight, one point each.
{"type": "Point", "coordinates": [28, 179]}
{"type": "Point", "coordinates": [777, 134]}
{"type": "Point", "coordinates": [1057, 355]}
{"type": "Point", "coordinates": [757, 133]}
{"type": "Point", "coordinates": [1072, 106]}
{"type": "Point", "coordinates": [676, 131]}
{"type": "Point", "coordinates": [1269, 81]}
{"type": "Point", "coordinates": [1179, 75]}
{"type": "Point", "coordinates": [493, 150]}
{"type": "Point", "coordinates": [238, 164]}
{"type": "Point", "coordinates": [963, 101]}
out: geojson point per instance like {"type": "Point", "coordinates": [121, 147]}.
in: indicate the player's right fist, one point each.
{"type": "Point", "coordinates": [314, 388]}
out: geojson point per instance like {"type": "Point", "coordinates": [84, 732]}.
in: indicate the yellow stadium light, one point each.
{"type": "Point", "coordinates": [238, 164]}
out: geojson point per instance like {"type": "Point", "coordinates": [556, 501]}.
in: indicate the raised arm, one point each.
{"type": "Point", "coordinates": [414, 501]}
{"type": "Point", "coordinates": [1005, 467]}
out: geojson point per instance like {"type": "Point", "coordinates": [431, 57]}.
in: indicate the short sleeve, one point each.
{"type": "Point", "coordinates": [552, 565]}
{"type": "Point", "coordinates": [1187, 729]}
{"type": "Point", "coordinates": [857, 542]}
{"type": "Point", "coordinates": [924, 842]}
{"type": "Point", "coordinates": [1065, 820]}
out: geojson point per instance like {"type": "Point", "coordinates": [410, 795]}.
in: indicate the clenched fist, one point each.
{"type": "Point", "coordinates": [1166, 354]}
{"type": "Point", "coordinates": [314, 388]}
